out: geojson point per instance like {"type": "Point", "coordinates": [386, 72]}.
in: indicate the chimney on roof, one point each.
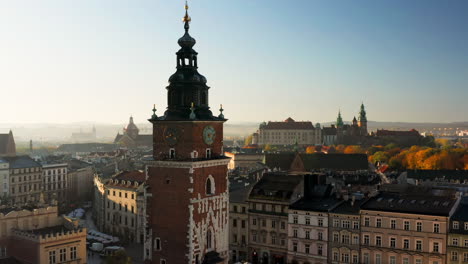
{"type": "Point", "coordinates": [353, 199]}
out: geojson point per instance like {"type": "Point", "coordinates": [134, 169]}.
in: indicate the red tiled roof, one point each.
{"type": "Point", "coordinates": [289, 124]}
{"type": "Point", "coordinates": [138, 176]}
{"type": "Point", "coordinates": [383, 132]}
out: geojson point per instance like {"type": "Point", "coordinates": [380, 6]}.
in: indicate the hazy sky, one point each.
{"type": "Point", "coordinates": [65, 61]}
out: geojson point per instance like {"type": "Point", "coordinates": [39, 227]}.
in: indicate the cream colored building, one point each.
{"type": "Point", "coordinates": [238, 224]}
{"type": "Point", "coordinates": [308, 230]}
{"type": "Point", "coordinates": [25, 179]}
{"type": "Point", "coordinates": [288, 133]}
{"type": "Point", "coordinates": [345, 233]}
{"type": "Point", "coordinates": [120, 202]}
{"type": "Point", "coordinates": [41, 236]}
{"type": "Point", "coordinates": [4, 178]}
{"type": "Point", "coordinates": [404, 228]}
{"type": "Point", "coordinates": [457, 241]}
{"type": "Point", "coordinates": [244, 161]}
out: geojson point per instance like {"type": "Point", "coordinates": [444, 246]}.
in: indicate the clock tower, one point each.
{"type": "Point", "coordinates": [187, 194]}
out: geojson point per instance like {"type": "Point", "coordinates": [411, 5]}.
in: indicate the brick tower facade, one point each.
{"type": "Point", "coordinates": [187, 194]}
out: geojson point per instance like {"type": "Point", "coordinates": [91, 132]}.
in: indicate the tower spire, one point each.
{"type": "Point", "coordinates": [186, 18]}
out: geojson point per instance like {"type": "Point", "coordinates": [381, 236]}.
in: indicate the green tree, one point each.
{"type": "Point", "coordinates": [248, 140]}
{"type": "Point", "coordinates": [381, 156]}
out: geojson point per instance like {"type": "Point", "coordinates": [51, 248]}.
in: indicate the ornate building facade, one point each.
{"type": "Point", "coordinates": [188, 201]}
{"type": "Point", "coordinates": [131, 137]}
{"type": "Point", "coordinates": [289, 132]}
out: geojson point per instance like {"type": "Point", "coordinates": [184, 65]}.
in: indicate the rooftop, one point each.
{"type": "Point", "coordinates": [349, 207]}
{"type": "Point", "coordinates": [289, 124]}
{"type": "Point", "coordinates": [411, 202]}
{"type": "Point", "coordinates": [461, 214]}
{"type": "Point", "coordinates": [19, 162]}
{"type": "Point", "coordinates": [308, 162]}
{"type": "Point", "coordinates": [275, 186]}
{"type": "Point", "coordinates": [316, 204]}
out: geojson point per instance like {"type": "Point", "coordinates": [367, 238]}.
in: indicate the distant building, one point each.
{"type": "Point", "coordinates": [25, 179]}
{"type": "Point", "coordinates": [54, 182]}
{"type": "Point", "coordinates": [80, 176]}
{"type": "Point", "coordinates": [41, 236]}
{"type": "Point", "coordinates": [403, 138]}
{"type": "Point", "coordinates": [288, 132]}
{"type": "Point", "coordinates": [301, 162]}
{"type": "Point", "coordinates": [131, 137]}
{"type": "Point", "coordinates": [83, 137]}
{"type": "Point", "coordinates": [244, 161]}
{"type": "Point", "coordinates": [120, 205]}
{"type": "Point", "coordinates": [329, 135]}
{"type": "Point", "coordinates": [7, 145]}
{"type": "Point", "coordinates": [84, 148]}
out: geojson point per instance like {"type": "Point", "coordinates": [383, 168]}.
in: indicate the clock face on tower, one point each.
{"type": "Point", "coordinates": [209, 135]}
{"type": "Point", "coordinates": [170, 135]}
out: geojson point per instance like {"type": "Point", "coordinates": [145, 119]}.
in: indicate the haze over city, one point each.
{"type": "Point", "coordinates": [233, 132]}
{"type": "Point", "coordinates": [102, 61]}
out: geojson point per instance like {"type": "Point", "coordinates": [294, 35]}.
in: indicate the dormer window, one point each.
{"type": "Point", "coordinates": [208, 153]}
{"type": "Point", "coordinates": [172, 153]}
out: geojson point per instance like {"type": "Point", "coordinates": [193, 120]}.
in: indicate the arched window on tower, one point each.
{"type": "Point", "coordinates": [208, 239]}
{"type": "Point", "coordinates": [210, 185]}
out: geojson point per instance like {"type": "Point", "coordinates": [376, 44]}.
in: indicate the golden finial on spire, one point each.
{"type": "Point", "coordinates": [186, 18]}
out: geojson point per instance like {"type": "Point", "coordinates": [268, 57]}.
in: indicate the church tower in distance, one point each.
{"type": "Point", "coordinates": [363, 121]}
{"type": "Point", "coordinates": [187, 194]}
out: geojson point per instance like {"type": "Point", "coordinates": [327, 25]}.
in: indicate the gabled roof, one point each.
{"type": "Point", "coordinates": [461, 214]}
{"type": "Point", "coordinates": [393, 133]}
{"type": "Point", "coordinates": [315, 161]}
{"type": "Point", "coordinates": [138, 176]}
{"type": "Point", "coordinates": [281, 161]}
{"type": "Point", "coordinates": [275, 186]}
{"type": "Point", "coordinates": [411, 202]}
{"type": "Point", "coordinates": [7, 144]}
{"type": "Point", "coordinates": [289, 124]}
{"type": "Point", "coordinates": [324, 204]}
{"type": "Point", "coordinates": [19, 162]}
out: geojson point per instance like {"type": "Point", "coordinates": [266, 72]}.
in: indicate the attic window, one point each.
{"type": "Point", "coordinates": [436, 203]}
{"type": "Point", "coordinates": [379, 200]}
{"type": "Point", "coordinates": [422, 202]}
{"type": "Point", "coordinates": [445, 204]}
{"type": "Point", "coordinates": [390, 200]}
{"type": "Point", "coordinates": [400, 201]}
{"type": "Point", "coordinates": [413, 201]}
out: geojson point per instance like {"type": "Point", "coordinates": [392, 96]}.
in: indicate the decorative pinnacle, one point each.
{"type": "Point", "coordinates": [186, 18]}
{"type": "Point", "coordinates": [154, 116]}
{"type": "Point", "coordinates": [192, 115]}
{"type": "Point", "coordinates": [221, 112]}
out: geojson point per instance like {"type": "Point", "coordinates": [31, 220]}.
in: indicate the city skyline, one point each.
{"type": "Point", "coordinates": [102, 62]}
